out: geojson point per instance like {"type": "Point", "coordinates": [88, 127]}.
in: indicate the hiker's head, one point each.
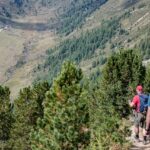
{"type": "Point", "coordinates": [139, 89]}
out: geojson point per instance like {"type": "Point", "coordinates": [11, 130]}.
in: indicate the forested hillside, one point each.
{"type": "Point", "coordinates": [74, 113]}
{"type": "Point", "coordinates": [82, 48]}
{"type": "Point", "coordinates": [77, 12]}
{"type": "Point", "coordinates": [46, 33]}
{"type": "Point", "coordinates": [89, 45]}
{"type": "Point", "coordinates": [67, 71]}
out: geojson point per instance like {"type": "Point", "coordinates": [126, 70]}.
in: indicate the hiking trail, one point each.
{"type": "Point", "coordinates": [139, 145]}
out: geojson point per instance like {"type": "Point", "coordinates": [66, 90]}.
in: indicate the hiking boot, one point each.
{"type": "Point", "coordinates": [136, 138]}
{"type": "Point", "coordinates": [145, 140]}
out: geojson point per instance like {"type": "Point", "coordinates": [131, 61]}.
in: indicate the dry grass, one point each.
{"type": "Point", "coordinates": [10, 47]}
{"type": "Point", "coordinates": [12, 44]}
{"type": "Point", "coordinates": [23, 76]}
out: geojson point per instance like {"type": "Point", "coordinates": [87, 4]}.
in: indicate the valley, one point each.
{"type": "Point", "coordinates": [72, 72]}
{"type": "Point", "coordinates": [27, 35]}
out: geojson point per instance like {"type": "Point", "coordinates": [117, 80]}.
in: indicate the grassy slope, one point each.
{"type": "Point", "coordinates": [40, 41]}
{"type": "Point", "coordinates": [12, 43]}
{"type": "Point", "coordinates": [140, 17]}
{"type": "Point", "coordinates": [36, 42]}
{"type": "Point", "coordinates": [136, 24]}
{"type": "Point", "coordinates": [10, 47]}
{"type": "Point", "coordinates": [23, 76]}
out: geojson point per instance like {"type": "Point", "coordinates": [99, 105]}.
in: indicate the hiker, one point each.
{"type": "Point", "coordinates": [139, 104]}
{"type": "Point", "coordinates": [148, 118]}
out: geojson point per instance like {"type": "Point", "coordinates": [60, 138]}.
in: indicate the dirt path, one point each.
{"type": "Point", "coordinates": [139, 145]}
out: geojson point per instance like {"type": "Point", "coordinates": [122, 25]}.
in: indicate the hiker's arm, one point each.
{"type": "Point", "coordinates": [148, 119]}
{"type": "Point", "coordinates": [134, 102]}
{"type": "Point", "coordinates": [131, 104]}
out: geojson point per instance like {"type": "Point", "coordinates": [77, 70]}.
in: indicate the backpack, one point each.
{"type": "Point", "coordinates": [143, 102]}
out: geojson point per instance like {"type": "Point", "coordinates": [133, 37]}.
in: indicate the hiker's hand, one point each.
{"type": "Point", "coordinates": [131, 104]}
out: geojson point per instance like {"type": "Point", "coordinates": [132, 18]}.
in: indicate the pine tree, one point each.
{"type": "Point", "coordinates": [6, 119]}
{"type": "Point", "coordinates": [66, 118]}
{"type": "Point", "coordinates": [22, 126]}
{"type": "Point", "coordinates": [109, 101]}
{"type": "Point", "coordinates": [123, 72]}
{"type": "Point", "coordinates": [147, 81]}
{"type": "Point", "coordinates": [27, 108]}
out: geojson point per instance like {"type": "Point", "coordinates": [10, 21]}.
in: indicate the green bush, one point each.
{"type": "Point", "coordinates": [6, 118]}
{"type": "Point", "coordinates": [76, 14]}
{"type": "Point", "coordinates": [27, 108]}
{"type": "Point", "coordinates": [65, 125]}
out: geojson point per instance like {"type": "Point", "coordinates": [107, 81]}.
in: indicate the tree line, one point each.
{"type": "Point", "coordinates": [79, 49]}
{"type": "Point", "coordinates": [144, 45]}
{"type": "Point", "coordinates": [76, 14]}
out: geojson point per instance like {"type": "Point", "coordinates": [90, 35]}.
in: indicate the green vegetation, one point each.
{"type": "Point", "coordinates": [141, 5]}
{"type": "Point", "coordinates": [109, 100]}
{"type": "Point", "coordinates": [6, 118]}
{"type": "Point", "coordinates": [27, 108]}
{"type": "Point", "coordinates": [75, 113]}
{"type": "Point", "coordinates": [66, 116]}
{"type": "Point", "coordinates": [79, 49]}
{"type": "Point", "coordinates": [77, 13]}
{"type": "Point", "coordinates": [18, 2]}
{"type": "Point", "coordinates": [147, 81]}
{"type": "Point", "coordinates": [144, 45]}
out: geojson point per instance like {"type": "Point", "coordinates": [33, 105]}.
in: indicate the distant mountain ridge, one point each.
{"type": "Point", "coordinates": [69, 14]}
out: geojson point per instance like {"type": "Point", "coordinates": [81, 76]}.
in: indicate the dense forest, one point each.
{"type": "Point", "coordinates": [80, 48]}
{"type": "Point", "coordinates": [76, 14]}
{"type": "Point", "coordinates": [74, 112]}
{"type": "Point", "coordinates": [144, 45]}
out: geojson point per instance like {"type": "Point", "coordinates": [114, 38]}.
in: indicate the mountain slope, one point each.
{"type": "Point", "coordinates": [36, 33]}
{"type": "Point", "coordinates": [90, 45]}
{"type": "Point", "coordinates": [69, 30]}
